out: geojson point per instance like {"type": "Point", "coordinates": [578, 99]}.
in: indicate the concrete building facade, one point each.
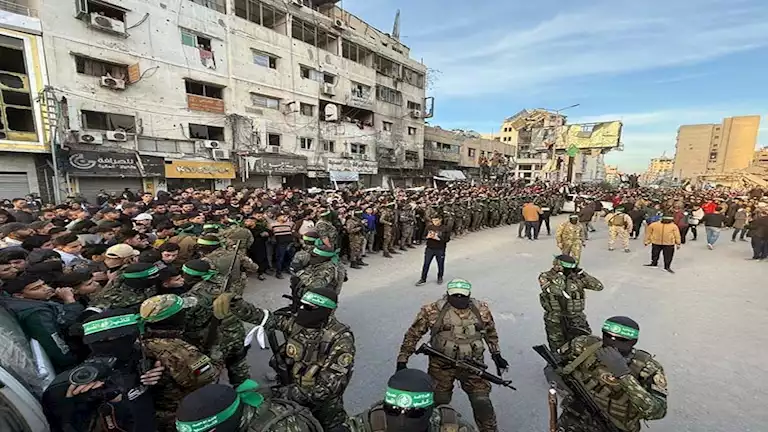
{"type": "Point", "coordinates": [658, 169]}
{"type": "Point", "coordinates": [264, 92]}
{"type": "Point", "coordinates": [466, 151]}
{"type": "Point", "coordinates": [761, 157]}
{"type": "Point", "coordinates": [715, 148]}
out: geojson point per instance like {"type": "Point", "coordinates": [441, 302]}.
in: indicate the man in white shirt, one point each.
{"type": "Point", "coordinates": [69, 247]}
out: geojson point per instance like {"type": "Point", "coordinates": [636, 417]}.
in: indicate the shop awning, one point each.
{"type": "Point", "coordinates": [450, 175]}
{"type": "Point", "coordinates": [344, 176]}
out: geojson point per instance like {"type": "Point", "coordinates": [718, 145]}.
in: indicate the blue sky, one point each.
{"type": "Point", "coordinates": [654, 64]}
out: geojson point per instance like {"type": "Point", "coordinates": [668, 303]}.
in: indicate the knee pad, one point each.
{"type": "Point", "coordinates": [482, 406]}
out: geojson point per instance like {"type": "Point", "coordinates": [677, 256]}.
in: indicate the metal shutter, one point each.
{"type": "Point", "coordinates": [90, 186]}
{"type": "Point", "coordinates": [13, 185]}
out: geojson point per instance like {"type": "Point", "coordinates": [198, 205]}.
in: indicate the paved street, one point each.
{"type": "Point", "coordinates": [706, 323]}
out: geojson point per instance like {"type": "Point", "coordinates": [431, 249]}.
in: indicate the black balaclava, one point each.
{"type": "Point", "coordinates": [141, 276]}
{"type": "Point", "coordinates": [568, 263]}
{"type": "Point", "coordinates": [119, 342]}
{"type": "Point", "coordinates": [409, 401]}
{"type": "Point", "coordinates": [316, 307]}
{"type": "Point", "coordinates": [459, 291]}
{"type": "Point", "coordinates": [574, 219]}
{"type": "Point", "coordinates": [621, 333]}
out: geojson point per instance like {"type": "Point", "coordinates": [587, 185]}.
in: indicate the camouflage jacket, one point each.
{"type": "Point", "coordinates": [121, 296]}
{"type": "Point", "coordinates": [354, 226]}
{"type": "Point", "coordinates": [321, 361]}
{"type": "Point", "coordinates": [554, 284]}
{"type": "Point", "coordinates": [427, 317]}
{"type": "Point", "coordinates": [407, 216]}
{"type": "Point", "coordinates": [186, 370]}
{"type": "Point", "coordinates": [221, 260]}
{"type": "Point", "coordinates": [325, 274]}
{"type": "Point", "coordinates": [639, 395]}
{"type": "Point", "coordinates": [444, 419]}
{"type": "Point", "coordinates": [568, 234]}
{"type": "Point", "coordinates": [325, 229]}
{"type": "Point", "coordinates": [292, 417]}
{"type": "Point", "coordinates": [387, 217]}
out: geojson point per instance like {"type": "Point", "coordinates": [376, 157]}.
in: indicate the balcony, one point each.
{"type": "Point", "coordinates": [440, 155]}
{"type": "Point", "coordinates": [15, 15]}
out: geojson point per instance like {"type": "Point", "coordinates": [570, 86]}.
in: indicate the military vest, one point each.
{"type": "Point", "coordinates": [606, 389]}
{"type": "Point", "coordinates": [618, 220]}
{"type": "Point", "coordinates": [282, 416]}
{"type": "Point", "coordinates": [306, 354]}
{"type": "Point", "coordinates": [556, 302]}
{"type": "Point", "coordinates": [444, 419]}
{"type": "Point", "coordinates": [458, 337]}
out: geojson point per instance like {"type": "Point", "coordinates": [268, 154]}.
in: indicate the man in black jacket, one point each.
{"type": "Point", "coordinates": [437, 237]}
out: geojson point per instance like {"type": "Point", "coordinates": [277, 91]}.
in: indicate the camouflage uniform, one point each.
{"type": "Point", "coordinates": [354, 227]}
{"type": "Point", "coordinates": [221, 260]}
{"type": "Point", "coordinates": [120, 295]}
{"type": "Point", "coordinates": [467, 215]}
{"type": "Point", "coordinates": [639, 395]}
{"type": "Point", "coordinates": [321, 362]}
{"type": "Point", "coordinates": [444, 419]}
{"type": "Point", "coordinates": [387, 220]}
{"type": "Point", "coordinates": [564, 317]}
{"type": "Point", "coordinates": [279, 416]}
{"type": "Point", "coordinates": [570, 239]}
{"type": "Point", "coordinates": [323, 274]}
{"type": "Point", "coordinates": [407, 221]}
{"type": "Point", "coordinates": [457, 333]}
{"type": "Point", "coordinates": [227, 346]}
{"type": "Point", "coordinates": [449, 216]}
{"type": "Point", "coordinates": [477, 210]}
{"type": "Point", "coordinates": [186, 370]}
{"type": "Point", "coordinates": [326, 230]}
{"type": "Point", "coordinates": [619, 225]}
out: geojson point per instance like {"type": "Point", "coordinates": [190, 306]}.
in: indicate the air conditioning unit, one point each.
{"type": "Point", "coordinates": [329, 89]}
{"type": "Point", "coordinates": [220, 154]}
{"type": "Point", "coordinates": [364, 157]}
{"type": "Point", "coordinates": [117, 135]}
{"type": "Point", "coordinates": [416, 114]}
{"type": "Point", "coordinates": [339, 23]}
{"type": "Point", "coordinates": [210, 144]}
{"type": "Point", "coordinates": [108, 24]}
{"type": "Point", "coordinates": [273, 149]}
{"type": "Point", "coordinates": [90, 138]}
{"type": "Point", "coordinates": [113, 83]}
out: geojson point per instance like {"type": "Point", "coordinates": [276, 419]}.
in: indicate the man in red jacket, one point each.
{"type": "Point", "coordinates": [709, 207]}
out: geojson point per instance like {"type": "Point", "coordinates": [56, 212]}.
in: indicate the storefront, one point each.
{"type": "Point", "coordinates": [348, 171]}
{"type": "Point", "coordinates": [212, 175]}
{"type": "Point", "coordinates": [272, 171]}
{"type": "Point", "coordinates": [91, 172]}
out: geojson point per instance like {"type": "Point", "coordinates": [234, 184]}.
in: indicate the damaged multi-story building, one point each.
{"type": "Point", "coordinates": [550, 149]}
{"type": "Point", "coordinates": [160, 94]}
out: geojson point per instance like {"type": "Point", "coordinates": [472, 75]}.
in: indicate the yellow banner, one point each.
{"type": "Point", "coordinates": [199, 170]}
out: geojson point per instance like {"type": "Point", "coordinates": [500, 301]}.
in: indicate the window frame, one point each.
{"type": "Point", "coordinates": [84, 114]}
{"type": "Point", "coordinates": [358, 148]}
{"type": "Point", "coordinates": [305, 143]}
{"type": "Point", "coordinates": [270, 136]}
{"type": "Point", "coordinates": [208, 129]}
{"type": "Point", "coordinates": [267, 100]}
{"type": "Point", "coordinates": [207, 89]}
{"type": "Point", "coordinates": [303, 105]}
{"type": "Point", "coordinates": [329, 146]}
{"type": "Point", "coordinates": [271, 62]}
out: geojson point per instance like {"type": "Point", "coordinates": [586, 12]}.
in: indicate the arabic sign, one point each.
{"type": "Point", "coordinates": [344, 176]}
{"type": "Point", "coordinates": [352, 165]}
{"type": "Point", "coordinates": [276, 164]}
{"type": "Point", "coordinates": [107, 164]}
{"type": "Point", "coordinates": [199, 169]}
{"type": "Point", "coordinates": [202, 103]}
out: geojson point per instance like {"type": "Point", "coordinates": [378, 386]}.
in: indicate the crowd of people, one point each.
{"type": "Point", "coordinates": [151, 285]}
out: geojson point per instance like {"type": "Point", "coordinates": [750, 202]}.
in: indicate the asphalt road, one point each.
{"type": "Point", "coordinates": [706, 324]}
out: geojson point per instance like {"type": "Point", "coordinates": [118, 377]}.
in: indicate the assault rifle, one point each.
{"type": "Point", "coordinates": [576, 388]}
{"type": "Point", "coordinates": [213, 327]}
{"type": "Point", "coordinates": [278, 361]}
{"type": "Point", "coordinates": [471, 366]}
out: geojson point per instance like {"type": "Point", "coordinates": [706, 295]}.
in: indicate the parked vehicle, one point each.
{"type": "Point", "coordinates": [570, 203]}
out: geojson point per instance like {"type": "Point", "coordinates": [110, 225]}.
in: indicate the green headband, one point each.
{"type": "Point", "coordinates": [325, 213]}
{"type": "Point", "coordinates": [323, 253]}
{"type": "Point", "coordinates": [211, 226]}
{"type": "Point", "coordinates": [206, 275]}
{"type": "Point", "coordinates": [406, 399]}
{"type": "Point", "coordinates": [309, 239]}
{"type": "Point", "coordinates": [142, 274]}
{"type": "Point", "coordinates": [667, 218]}
{"type": "Point", "coordinates": [202, 241]}
{"type": "Point", "coordinates": [169, 311]}
{"type": "Point", "coordinates": [246, 393]}
{"type": "Point", "coordinates": [459, 286]}
{"type": "Point", "coordinates": [110, 323]}
{"type": "Point", "coordinates": [318, 300]}
{"type": "Point", "coordinates": [620, 330]}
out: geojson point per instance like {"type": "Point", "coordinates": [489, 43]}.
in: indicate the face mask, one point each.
{"type": "Point", "coordinates": [568, 271]}
{"type": "Point", "coordinates": [312, 318]}
{"type": "Point", "coordinates": [141, 284]}
{"type": "Point", "coordinates": [123, 349]}
{"type": "Point", "coordinates": [458, 301]}
{"type": "Point", "coordinates": [574, 221]}
{"type": "Point", "coordinates": [623, 346]}
{"type": "Point", "coordinates": [403, 423]}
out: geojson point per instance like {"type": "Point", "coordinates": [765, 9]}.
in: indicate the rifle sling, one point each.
{"type": "Point", "coordinates": [588, 352]}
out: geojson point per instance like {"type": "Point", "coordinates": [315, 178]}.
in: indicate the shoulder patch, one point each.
{"type": "Point", "coordinates": [345, 359]}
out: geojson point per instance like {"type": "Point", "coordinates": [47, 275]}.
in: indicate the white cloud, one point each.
{"type": "Point", "coordinates": [604, 38]}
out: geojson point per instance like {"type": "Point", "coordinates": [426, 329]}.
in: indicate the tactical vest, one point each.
{"type": "Point", "coordinates": [449, 419]}
{"type": "Point", "coordinates": [618, 220]}
{"type": "Point", "coordinates": [552, 302]}
{"type": "Point", "coordinates": [606, 389]}
{"type": "Point", "coordinates": [307, 356]}
{"type": "Point", "coordinates": [456, 337]}
{"type": "Point", "coordinates": [283, 416]}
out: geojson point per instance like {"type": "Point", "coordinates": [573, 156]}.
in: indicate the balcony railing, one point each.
{"type": "Point", "coordinates": [12, 7]}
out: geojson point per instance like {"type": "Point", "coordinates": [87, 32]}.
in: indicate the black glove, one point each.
{"type": "Point", "coordinates": [400, 366]}
{"type": "Point", "coordinates": [612, 359]}
{"type": "Point", "coordinates": [501, 364]}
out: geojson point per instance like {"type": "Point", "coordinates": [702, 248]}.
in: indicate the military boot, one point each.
{"type": "Point", "coordinates": [355, 265]}
{"type": "Point", "coordinates": [360, 262]}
